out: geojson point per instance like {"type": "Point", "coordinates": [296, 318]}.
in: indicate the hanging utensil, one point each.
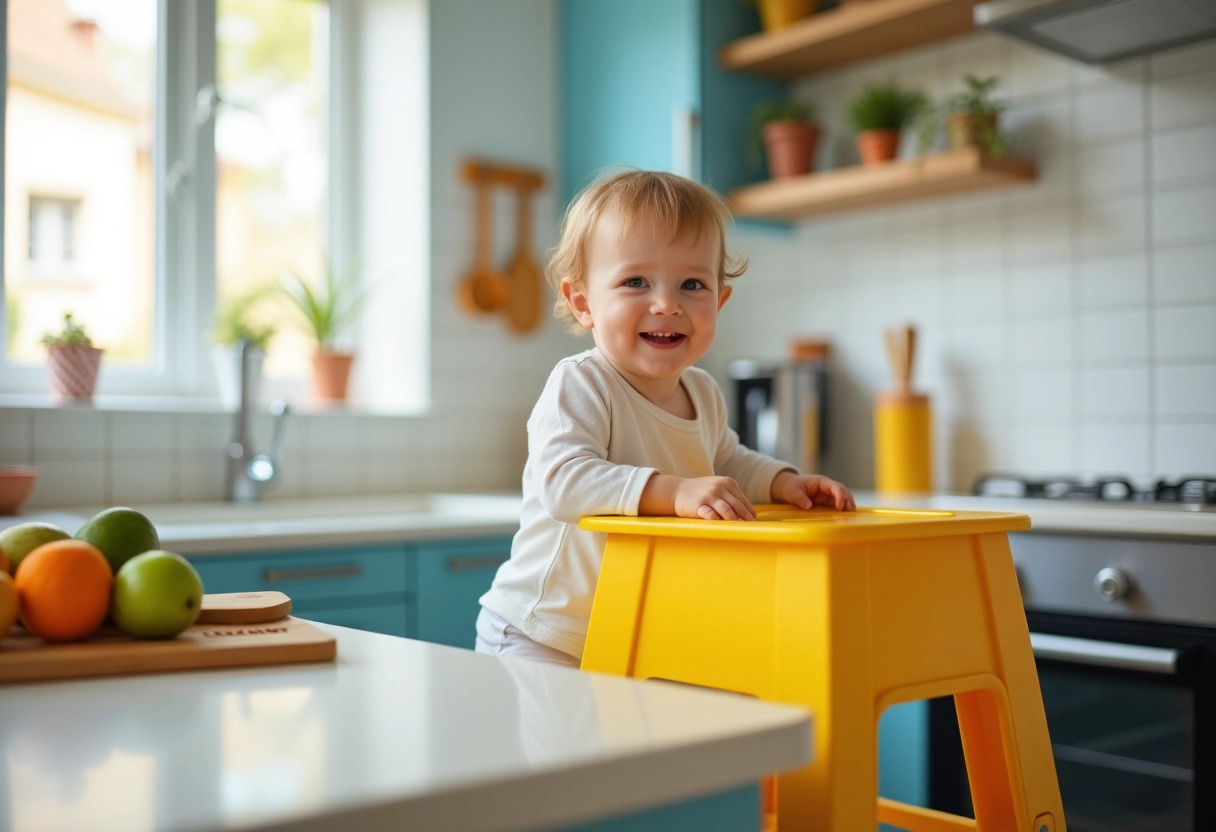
{"type": "Point", "coordinates": [525, 282]}
{"type": "Point", "coordinates": [483, 288]}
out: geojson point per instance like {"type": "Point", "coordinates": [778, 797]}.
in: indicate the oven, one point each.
{"type": "Point", "coordinates": [1123, 629]}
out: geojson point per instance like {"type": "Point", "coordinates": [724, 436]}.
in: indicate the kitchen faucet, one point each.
{"type": "Point", "coordinates": [247, 471]}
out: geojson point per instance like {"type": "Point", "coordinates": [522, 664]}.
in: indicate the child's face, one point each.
{"type": "Point", "coordinates": [650, 302]}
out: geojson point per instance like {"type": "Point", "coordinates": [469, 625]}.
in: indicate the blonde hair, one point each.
{"type": "Point", "coordinates": [654, 197]}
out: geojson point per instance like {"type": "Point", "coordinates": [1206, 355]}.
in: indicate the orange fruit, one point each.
{"type": "Point", "coordinates": [64, 590]}
{"type": "Point", "coordinates": [8, 603]}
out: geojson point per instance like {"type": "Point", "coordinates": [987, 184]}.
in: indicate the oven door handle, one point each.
{"type": "Point", "coordinates": [1160, 660]}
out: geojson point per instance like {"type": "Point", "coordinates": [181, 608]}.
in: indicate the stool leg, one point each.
{"type": "Point", "coordinates": [985, 749]}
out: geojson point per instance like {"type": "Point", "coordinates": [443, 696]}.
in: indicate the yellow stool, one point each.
{"type": "Point", "coordinates": [846, 614]}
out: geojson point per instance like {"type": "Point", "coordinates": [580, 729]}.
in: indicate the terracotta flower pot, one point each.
{"type": "Point", "coordinates": [969, 129]}
{"type": "Point", "coordinates": [790, 146]}
{"type": "Point", "coordinates": [877, 146]}
{"type": "Point", "coordinates": [777, 14]}
{"type": "Point", "coordinates": [331, 375]}
{"type": "Point", "coordinates": [73, 373]}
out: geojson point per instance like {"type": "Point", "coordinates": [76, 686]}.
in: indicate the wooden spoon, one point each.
{"type": "Point", "coordinates": [484, 288]}
{"type": "Point", "coordinates": [523, 275]}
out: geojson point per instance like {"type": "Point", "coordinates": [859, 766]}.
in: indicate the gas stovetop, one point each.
{"type": "Point", "coordinates": [1197, 493]}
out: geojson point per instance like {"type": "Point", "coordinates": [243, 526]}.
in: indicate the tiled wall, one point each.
{"type": "Point", "coordinates": [1069, 326]}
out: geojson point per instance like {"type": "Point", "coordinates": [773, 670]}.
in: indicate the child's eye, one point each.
{"type": "Point", "coordinates": [692, 284]}
{"type": "Point", "coordinates": [634, 283]}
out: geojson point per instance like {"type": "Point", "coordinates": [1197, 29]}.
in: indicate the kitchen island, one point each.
{"type": "Point", "coordinates": [395, 734]}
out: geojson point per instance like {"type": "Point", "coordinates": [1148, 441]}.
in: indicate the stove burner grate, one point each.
{"type": "Point", "coordinates": [1196, 490]}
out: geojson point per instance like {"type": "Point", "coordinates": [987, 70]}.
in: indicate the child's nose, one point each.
{"type": "Point", "coordinates": [665, 302]}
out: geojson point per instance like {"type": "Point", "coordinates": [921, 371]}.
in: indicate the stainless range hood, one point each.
{"type": "Point", "coordinates": [1097, 31]}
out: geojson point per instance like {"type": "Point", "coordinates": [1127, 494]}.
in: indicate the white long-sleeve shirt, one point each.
{"type": "Point", "coordinates": [593, 443]}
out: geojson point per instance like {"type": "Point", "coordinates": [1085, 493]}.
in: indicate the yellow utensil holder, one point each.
{"type": "Point", "coordinates": [903, 443]}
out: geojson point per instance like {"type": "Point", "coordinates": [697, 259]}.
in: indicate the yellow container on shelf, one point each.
{"type": "Point", "coordinates": [903, 443]}
{"type": "Point", "coordinates": [845, 613]}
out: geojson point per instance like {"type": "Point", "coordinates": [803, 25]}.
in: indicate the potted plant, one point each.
{"type": "Point", "coordinates": [971, 119]}
{"type": "Point", "coordinates": [327, 310]}
{"type": "Point", "coordinates": [234, 324]}
{"type": "Point", "coordinates": [777, 14]}
{"type": "Point", "coordinates": [878, 114]}
{"type": "Point", "coordinates": [788, 133]}
{"type": "Point", "coordinates": [73, 363]}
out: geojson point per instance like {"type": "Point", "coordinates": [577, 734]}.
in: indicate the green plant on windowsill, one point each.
{"type": "Point", "coordinates": [971, 118]}
{"type": "Point", "coordinates": [73, 335]}
{"type": "Point", "coordinates": [233, 319]}
{"type": "Point", "coordinates": [329, 308]}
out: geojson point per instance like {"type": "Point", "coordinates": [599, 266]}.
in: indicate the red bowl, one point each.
{"type": "Point", "coordinates": [16, 483]}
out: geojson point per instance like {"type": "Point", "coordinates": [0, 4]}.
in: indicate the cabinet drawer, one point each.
{"type": "Point", "coordinates": [305, 575]}
{"type": "Point", "coordinates": [388, 618]}
{"type": "Point", "coordinates": [451, 577]}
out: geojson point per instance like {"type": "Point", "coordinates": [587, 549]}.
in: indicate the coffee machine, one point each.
{"type": "Point", "coordinates": [780, 407]}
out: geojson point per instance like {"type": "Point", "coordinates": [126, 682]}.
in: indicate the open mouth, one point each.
{"type": "Point", "coordinates": [663, 339]}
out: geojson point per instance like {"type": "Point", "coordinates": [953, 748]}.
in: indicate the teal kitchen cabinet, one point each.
{"type": "Point", "coordinates": [369, 588]}
{"type": "Point", "coordinates": [426, 590]}
{"type": "Point", "coordinates": [640, 85]}
{"type": "Point", "coordinates": [451, 577]}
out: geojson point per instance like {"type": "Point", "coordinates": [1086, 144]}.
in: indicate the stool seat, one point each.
{"type": "Point", "coordinates": [845, 613]}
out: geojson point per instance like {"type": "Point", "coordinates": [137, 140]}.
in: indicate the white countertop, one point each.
{"type": "Point", "coordinates": [1071, 516]}
{"type": "Point", "coordinates": [396, 734]}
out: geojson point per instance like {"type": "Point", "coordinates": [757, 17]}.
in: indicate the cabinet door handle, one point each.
{"type": "Point", "coordinates": [274, 576]}
{"type": "Point", "coordinates": [473, 564]}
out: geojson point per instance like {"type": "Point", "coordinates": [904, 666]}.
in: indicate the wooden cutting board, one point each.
{"type": "Point", "coordinates": [253, 641]}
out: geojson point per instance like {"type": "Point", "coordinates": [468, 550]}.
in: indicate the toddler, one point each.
{"type": "Point", "coordinates": [629, 427]}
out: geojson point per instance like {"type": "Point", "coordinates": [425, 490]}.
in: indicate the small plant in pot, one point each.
{"type": "Point", "coordinates": [878, 114]}
{"type": "Point", "coordinates": [789, 135]}
{"type": "Point", "coordinates": [235, 322]}
{"type": "Point", "coordinates": [72, 363]}
{"type": "Point", "coordinates": [971, 119]}
{"type": "Point", "coordinates": [327, 310]}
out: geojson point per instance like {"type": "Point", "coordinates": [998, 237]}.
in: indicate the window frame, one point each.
{"type": "Point", "coordinates": [179, 367]}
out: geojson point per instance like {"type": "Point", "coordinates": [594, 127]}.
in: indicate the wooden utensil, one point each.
{"type": "Point", "coordinates": [483, 288]}
{"type": "Point", "coordinates": [524, 280]}
{"type": "Point", "coordinates": [243, 608]}
{"type": "Point", "coordinates": [901, 352]}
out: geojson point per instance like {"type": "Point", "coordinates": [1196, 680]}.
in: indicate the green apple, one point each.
{"type": "Point", "coordinates": [120, 534]}
{"type": "Point", "coordinates": [18, 541]}
{"type": "Point", "coordinates": [157, 594]}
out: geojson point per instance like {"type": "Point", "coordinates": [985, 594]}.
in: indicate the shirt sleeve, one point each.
{"type": "Point", "coordinates": [753, 471]}
{"type": "Point", "coordinates": [568, 436]}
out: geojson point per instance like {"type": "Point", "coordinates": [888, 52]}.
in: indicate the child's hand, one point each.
{"type": "Point", "coordinates": [712, 498]}
{"type": "Point", "coordinates": [805, 491]}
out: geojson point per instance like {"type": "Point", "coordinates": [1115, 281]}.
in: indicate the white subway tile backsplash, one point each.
{"type": "Point", "coordinates": [1183, 60]}
{"type": "Point", "coordinates": [141, 432]}
{"type": "Point", "coordinates": [66, 432]}
{"type": "Point", "coordinates": [1126, 73]}
{"type": "Point", "coordinates": [1041, 449]}
{"type": "Point", "coordinates": [1043, 395]}
{"type": "Point", "coordinates": [1110, 167]}
{"type": "Point", "coordinates": [1113, 225]}
{"type": "Point", "coordinates": [1120, 280]}
{"type": "Point", "coordinates": [1185, 214]}
{"type": "Point", "coordinates": [1040, 230]}
{"type": "Point", "coordinates": [1041, 342]}
{"type": "Point", "coordinates": [1185, 99]}
{"type": "Point", "coordinates": [1038, 125]}
{"type": "Point", "coordinates": [1188, 332]}
{"type": "Point", "coordinates": [1118, 448]}
{"type": "Point", "coordinates": [975, 296]}
{"type": "Point", "coordinates": [16, 437]}
{"type": "Point", "coordinates": [71, 478]}
{"type": "Point", "coordinates": [1115, 392]}
{"type": "Point", "coordinates": [1108, 112]}
{"type": "Point", "coordinates": [1186, 391]}
{"type": "Point", "coordinates": [1042, 289]}
{"type": "Point", "coordinates": [1035, 71]}
{"type": "Point", "coordinates": [1184, 274]}
{"type": "Point", "coordinates": [140, 480]}
{"type": "Point", "coordinates": [1114, 335]}
{"type": "Point", "coordinates": [1183, 154]}
{"type": "Point", "coordinates": [1184, 449]}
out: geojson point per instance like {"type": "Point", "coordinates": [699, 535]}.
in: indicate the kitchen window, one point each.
{"type": "Point", "coordinates": [192, 142]}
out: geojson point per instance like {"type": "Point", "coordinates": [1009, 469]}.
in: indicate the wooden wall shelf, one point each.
{"type": "Point", "coordinates": [852, 32]}
{"type": "Point", "coordinates": [834, 191]}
